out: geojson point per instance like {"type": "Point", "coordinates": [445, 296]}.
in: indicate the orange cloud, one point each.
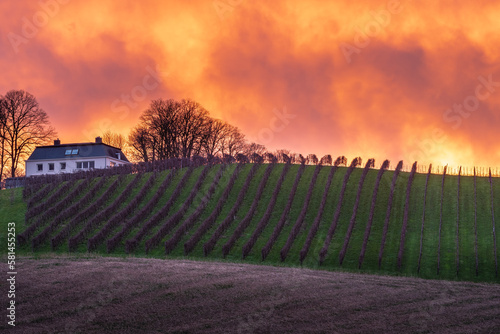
{"type": "Point", "coordinates": [373, 79]}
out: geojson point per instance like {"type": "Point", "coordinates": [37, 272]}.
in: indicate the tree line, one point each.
{"type": "Point", "coordinates": [167, 129]}
{"type": "Point", "coordinates": [182, 129]}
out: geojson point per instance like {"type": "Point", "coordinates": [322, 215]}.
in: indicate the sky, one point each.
{"type": "Point", "coordinates": [402, 80]}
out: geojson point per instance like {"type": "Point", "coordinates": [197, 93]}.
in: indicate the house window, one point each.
{"type": "Point", "coordinates": [112, 164]}
{"type": "Point", "coordinates": [39, 167]}
{"type": "Point", "coordinates": [63, 165]}
{"type": "Point", "coordinates": [68, 152]}
{"type": "Point", "coordinates": [85, 164]}
{"type": "Point", "coordinates": [74, 151]}
{"type": "Point", "coordinates": [51, 166]}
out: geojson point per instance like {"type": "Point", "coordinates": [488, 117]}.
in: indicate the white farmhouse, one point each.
{"type": "Point", "coordinates": [70, 158]}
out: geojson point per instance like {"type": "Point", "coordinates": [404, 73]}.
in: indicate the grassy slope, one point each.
{"type": "Point", "coordinates": [12, 209]}
{"type": "Point", "coordinates": [236, 251]}
{"type": "Point", "coordinates": [466, 228]}
{"type": "Point", "coordinates": [312, 210]}
{"type": "Point", "coordinates": [15, 212]}
{"type": "Point", "coordinates": [255, 254]}
{"type": "Point", "coordinates": [412, 240]}
{"type": "Point", "coordinates": [496, 204]}
{"type": "Point", "coordinates": [351, 259]}
{"type": "Point", "coordinates": [116, 193]}
{"type": "Point", "coordinates": [233, 195]}
{"type": "Point", "coordinates": [431, 228]}
{"type": "Point", "coordinates": [484, 229]}
{"type": "Point", "coordinates": [298, 202]}
{"type": "Point", "coordinates": [222, 184]}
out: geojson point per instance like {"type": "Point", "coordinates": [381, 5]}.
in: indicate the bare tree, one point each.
{"type": "Point", "coordinates": [285, 158]}
{"type": "Point", "coordinates": [283, 155]}
{"type": "Point", "coordinates": [177, 129]}
{"type": "Point", "coordinates": [214, 134]}
{"type": "Point", "coordinates": [161, 122]}
{"type": "Point", "coordinates": [191, 125]}
{"type": "Point", "coordinates": [3, 126]}
{"type": "Point", "coordinates": [233, 142]}
{"type": "Point", "coordinates": [326, 160]}
{"type": "Point", "coordinates": [282, 151]}
{"type": "Point", "coordinates": [140, 143]}
{"type": "Point", "coordinates": [26, 125]}
{"type": "Point", "coordinates": [356, 162]}
{"type": "Point", "coordinates": [241, 158]}
{"type": "Point", "coordinates": [299, 159]}
{"type": "Point", "coordinates": [312, 159]}
{"type": "Point", "coordinates": [172, 129]}
{"type": "Point", "coordinates": [252, 148]}
{"type": "Point", "coordinates": [341, 160]}
{"type": "Point", "coordinates": [270, 158]}
{"type": "Point", "coordinates": [256, 158]}
{"type": "Point", "coordinates": [114, 139]}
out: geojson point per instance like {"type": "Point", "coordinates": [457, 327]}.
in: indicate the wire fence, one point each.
{"type": "Point", "coordinates": [464, 171]}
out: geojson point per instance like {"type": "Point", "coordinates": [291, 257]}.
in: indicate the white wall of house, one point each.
{"type": "Point", "coordinates": [71, 165]}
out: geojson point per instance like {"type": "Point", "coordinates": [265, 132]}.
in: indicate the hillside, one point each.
{"type": "Point", "coordinates": [111, 295]}
{"type": "Point", "coordinates": [249, 212]}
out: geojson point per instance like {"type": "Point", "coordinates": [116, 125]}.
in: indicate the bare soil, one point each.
{"type": "Point", "coordinates": [133, 295]}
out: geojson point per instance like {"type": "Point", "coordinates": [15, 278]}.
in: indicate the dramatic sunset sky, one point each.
{"type": "Point", "coordinates": [410, 80]}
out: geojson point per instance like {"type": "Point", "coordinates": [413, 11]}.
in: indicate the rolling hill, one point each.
{"type": "Point", "coordinates": [320, 217]}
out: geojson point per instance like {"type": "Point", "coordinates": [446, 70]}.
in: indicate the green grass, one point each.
{"type": "Point", "coordinates": [236, 251]}
{"type": "Point", "coordinates": [412, 240]}
{"type": "Point", "coordinates": [466, 228]}
{"type": "Point", "coordinates": [13, 209]}
{"type": "Point", "coordinates": [351, 259]}
{"type": "Point", "coordinates": [226, 175]}
{"type": "Point", "coordinates": [312, 209]}
{"type": "Point", "coordinates": [431, 229]}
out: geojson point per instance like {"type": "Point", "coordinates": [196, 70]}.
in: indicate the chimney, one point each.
{"type": "Point", "coordinates": [57, 142]}
{"type": "Point", "coordinates": [98, 140]}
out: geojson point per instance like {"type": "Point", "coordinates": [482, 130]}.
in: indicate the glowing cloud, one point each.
{"type": "Point", "coordinates": [391, 79]}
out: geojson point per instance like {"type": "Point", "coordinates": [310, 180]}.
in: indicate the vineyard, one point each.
{"type": "Point", "coordinates": [408, 221]}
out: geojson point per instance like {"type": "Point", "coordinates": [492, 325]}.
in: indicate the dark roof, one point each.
{"type": "Point", "coordinates": [85, 150]}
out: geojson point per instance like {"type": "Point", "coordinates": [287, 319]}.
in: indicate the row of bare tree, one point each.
{"type": "Point", "coordinates": [170, 129]}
